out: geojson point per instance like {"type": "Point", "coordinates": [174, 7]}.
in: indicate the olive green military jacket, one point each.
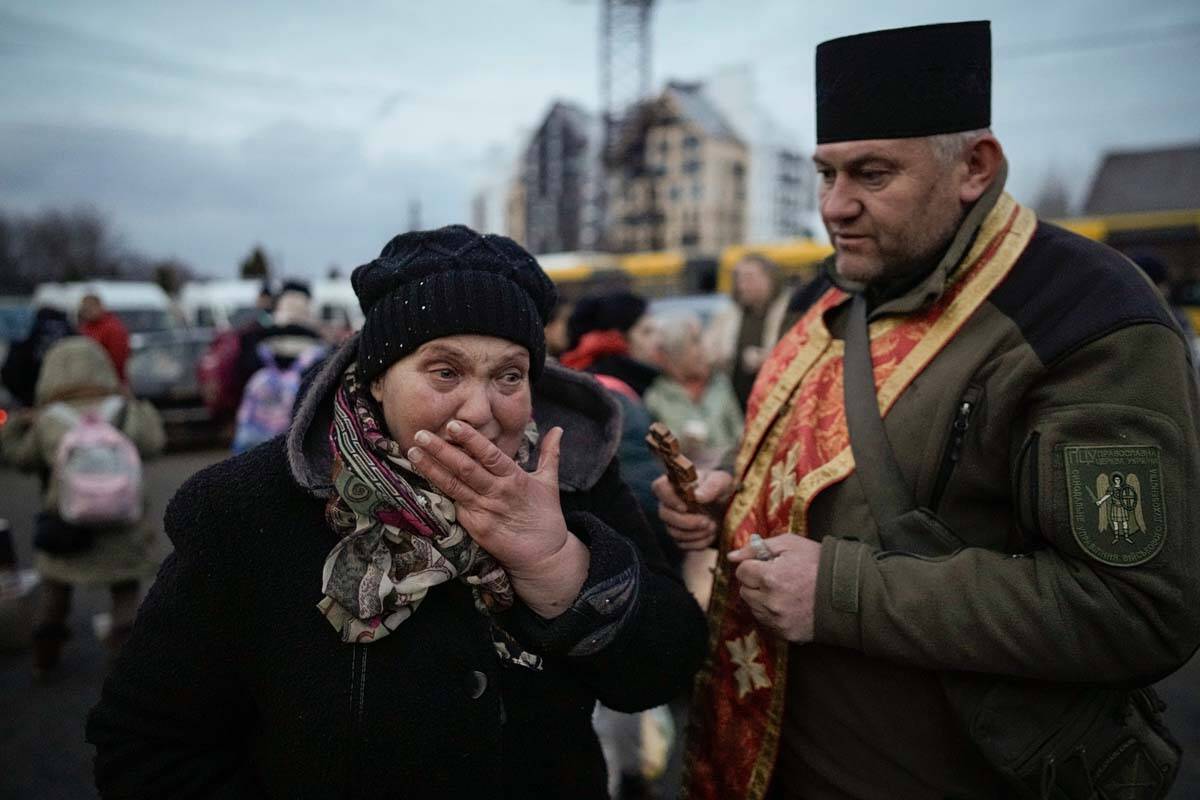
{"type": "Point", "coordinates": [1057, 434]}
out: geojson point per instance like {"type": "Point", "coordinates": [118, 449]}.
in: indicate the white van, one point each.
{"type": "Point", "coordinates": [220, 304]}
{"type": "Point", "coordinates": [336, 308]}
{"type": "Point", "coordinates": [141, 305]}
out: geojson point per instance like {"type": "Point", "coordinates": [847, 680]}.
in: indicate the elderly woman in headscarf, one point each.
{"type": "Point", "coordinates": [423, 587]}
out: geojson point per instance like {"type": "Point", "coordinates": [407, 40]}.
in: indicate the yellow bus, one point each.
{"type": "Point", "coordinates": [798, 259]}
{"type": "Point", "coordinates": [1173, 236]}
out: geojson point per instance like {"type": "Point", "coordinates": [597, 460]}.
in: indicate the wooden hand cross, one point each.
{"type": "Point", "coordinates": [681, 472]}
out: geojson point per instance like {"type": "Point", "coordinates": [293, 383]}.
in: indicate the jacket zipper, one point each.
{"type": "Point", "coordinates": [953, 451]}
{"type": "Point", "coordinates": [1034, 475]}
{"type": "Point", "coordinates": [358, 685]}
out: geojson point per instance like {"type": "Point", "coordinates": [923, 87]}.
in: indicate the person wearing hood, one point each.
{"type": "Point", "coordinates": [424, 586]}
{"type": "Point", "coordinates": [78, 378]}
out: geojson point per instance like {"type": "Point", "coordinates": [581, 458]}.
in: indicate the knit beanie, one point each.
{"type": "Point", "coordinates": [617, 311]}
{"type": "Point", "coordinates": [450, 281]}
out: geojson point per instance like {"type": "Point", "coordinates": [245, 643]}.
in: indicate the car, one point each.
{"type": "Point", "coordinates": [705, 306]}
{"type": "Point", "coordinates": [336, 307]}
{"type": "Point", "coordinates": [163, 352]}
{"type": "Point", "coordinates": [220, 304]}
{"type": "Point", "coordinates": [16, 320]}
{"type": "Point", "coordinates": [142, 306]}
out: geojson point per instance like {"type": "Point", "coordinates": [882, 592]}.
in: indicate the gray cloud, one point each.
{"type": "Point", "coordinates": [311, 196]}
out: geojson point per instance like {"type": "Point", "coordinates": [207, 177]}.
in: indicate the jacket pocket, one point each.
{"type": "Point", "coordinates": [964, 414]}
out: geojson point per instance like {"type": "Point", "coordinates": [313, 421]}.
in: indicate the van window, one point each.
{"type": "Point", "coordinates": [244, 315]}
{"type": "Point", "coordinates": [334, 314]}
{"type": "Point", "coordinates": [143, 320]}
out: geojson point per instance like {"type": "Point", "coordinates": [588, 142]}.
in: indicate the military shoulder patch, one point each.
{"type": "Point", "coordinates": [1115, 495]}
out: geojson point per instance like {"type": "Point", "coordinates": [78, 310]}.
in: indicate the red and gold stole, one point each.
{"type": "Point", "coordinates": [796, 445]}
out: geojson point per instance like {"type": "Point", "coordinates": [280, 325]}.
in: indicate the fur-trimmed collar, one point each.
{"type": "Point", "coordinates": [589, 416]}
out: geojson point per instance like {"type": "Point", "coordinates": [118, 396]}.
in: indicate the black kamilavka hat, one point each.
{"type": "Point", "coordinates": [905, 82]}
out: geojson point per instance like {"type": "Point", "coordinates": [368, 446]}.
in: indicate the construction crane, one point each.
{"type": "Point", "coordinates": [625, 58]}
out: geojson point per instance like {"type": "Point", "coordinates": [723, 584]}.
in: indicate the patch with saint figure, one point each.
{"type": "Point", "coordinates": [1116, 501]}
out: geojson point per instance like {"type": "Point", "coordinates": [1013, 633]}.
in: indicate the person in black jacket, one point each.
{"type": "Point", "coordinates": [24, 362]}
{"type": "Point", "coordinates": [423, 588]}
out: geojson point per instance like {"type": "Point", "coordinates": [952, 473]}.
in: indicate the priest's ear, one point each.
{"type": "Point", "coordinates": [984, 159]}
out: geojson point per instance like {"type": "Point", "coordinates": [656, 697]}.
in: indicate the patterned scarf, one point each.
{"type": "Point", "coordinates": [398, 535]}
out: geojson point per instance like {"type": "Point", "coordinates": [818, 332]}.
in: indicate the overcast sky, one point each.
{"type": "Point", "coordinates": [199, 129]}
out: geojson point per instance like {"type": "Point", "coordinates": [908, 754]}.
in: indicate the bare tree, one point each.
{"type": "Point", "coordinates": [72, 245]}
{"type": "Point", "coordinates": [256, 265]}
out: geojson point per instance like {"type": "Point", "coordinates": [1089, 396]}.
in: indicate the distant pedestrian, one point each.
{"type": "Point", "coordinates": [97, 322]}
{"type": "Point", "coordinates": [1156, 270]}
{"type": "Point", "coordinates": [91, 437]}
{"type": "Point", "coordinates": [220, 372]}
{"type": "Point", "coordinates": [24, 362]}
{"type": "Point", "coordinates": [557, 340]}
{"type": "Point", "coordinates": [693, 400]}
{"type": "Point", "coordinates": [291, 332]}
{"type": "Point", "coordinates": [611, 336]}
{"type": "Point", "coordinates": [740, 338]}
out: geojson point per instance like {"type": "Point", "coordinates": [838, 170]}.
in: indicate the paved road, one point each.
{"type": "Point", "coordinates": [42, 752]}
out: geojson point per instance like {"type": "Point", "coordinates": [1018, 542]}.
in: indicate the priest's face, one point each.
{"type": "Point", "coordinates": [890, 205]}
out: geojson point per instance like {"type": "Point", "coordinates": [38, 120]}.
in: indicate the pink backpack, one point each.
{"type": "Point", "coordinates": [97, 470]}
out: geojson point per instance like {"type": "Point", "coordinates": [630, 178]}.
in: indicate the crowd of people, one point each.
{"type": "Point", "coordinates": [941, 525]}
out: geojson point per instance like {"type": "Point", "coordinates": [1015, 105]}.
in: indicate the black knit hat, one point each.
{"type": "Point", "coordinates": [295, 286]}
{"type": "Point", "coordinates": [430, 284]}
{"type": "Point", "coordinates": [905, 82]}
{"type": "Point", "coordinates": [618, 311]}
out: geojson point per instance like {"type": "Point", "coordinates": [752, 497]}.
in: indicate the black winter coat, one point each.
{"type": "Point", "coordinates": [233, 685]}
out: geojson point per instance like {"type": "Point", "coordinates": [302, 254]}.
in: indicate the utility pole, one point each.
{"type": "Point", "coordinates": [414, 215]}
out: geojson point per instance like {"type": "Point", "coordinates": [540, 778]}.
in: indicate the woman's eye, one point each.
{"type": "Point", "coordinates": [512, 377]}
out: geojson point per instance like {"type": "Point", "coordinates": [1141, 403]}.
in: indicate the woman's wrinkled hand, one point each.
{"type": "Point", "coordinates": [515, 515]}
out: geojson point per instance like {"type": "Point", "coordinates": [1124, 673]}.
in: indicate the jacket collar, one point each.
{"type": "Point", "coordinates": [926, 289]}
{"type": "Point", "coordinates": [589, 417]}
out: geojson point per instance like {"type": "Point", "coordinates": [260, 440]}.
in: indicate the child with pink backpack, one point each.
{"type": "Point", "coordinates": [88, 439]}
